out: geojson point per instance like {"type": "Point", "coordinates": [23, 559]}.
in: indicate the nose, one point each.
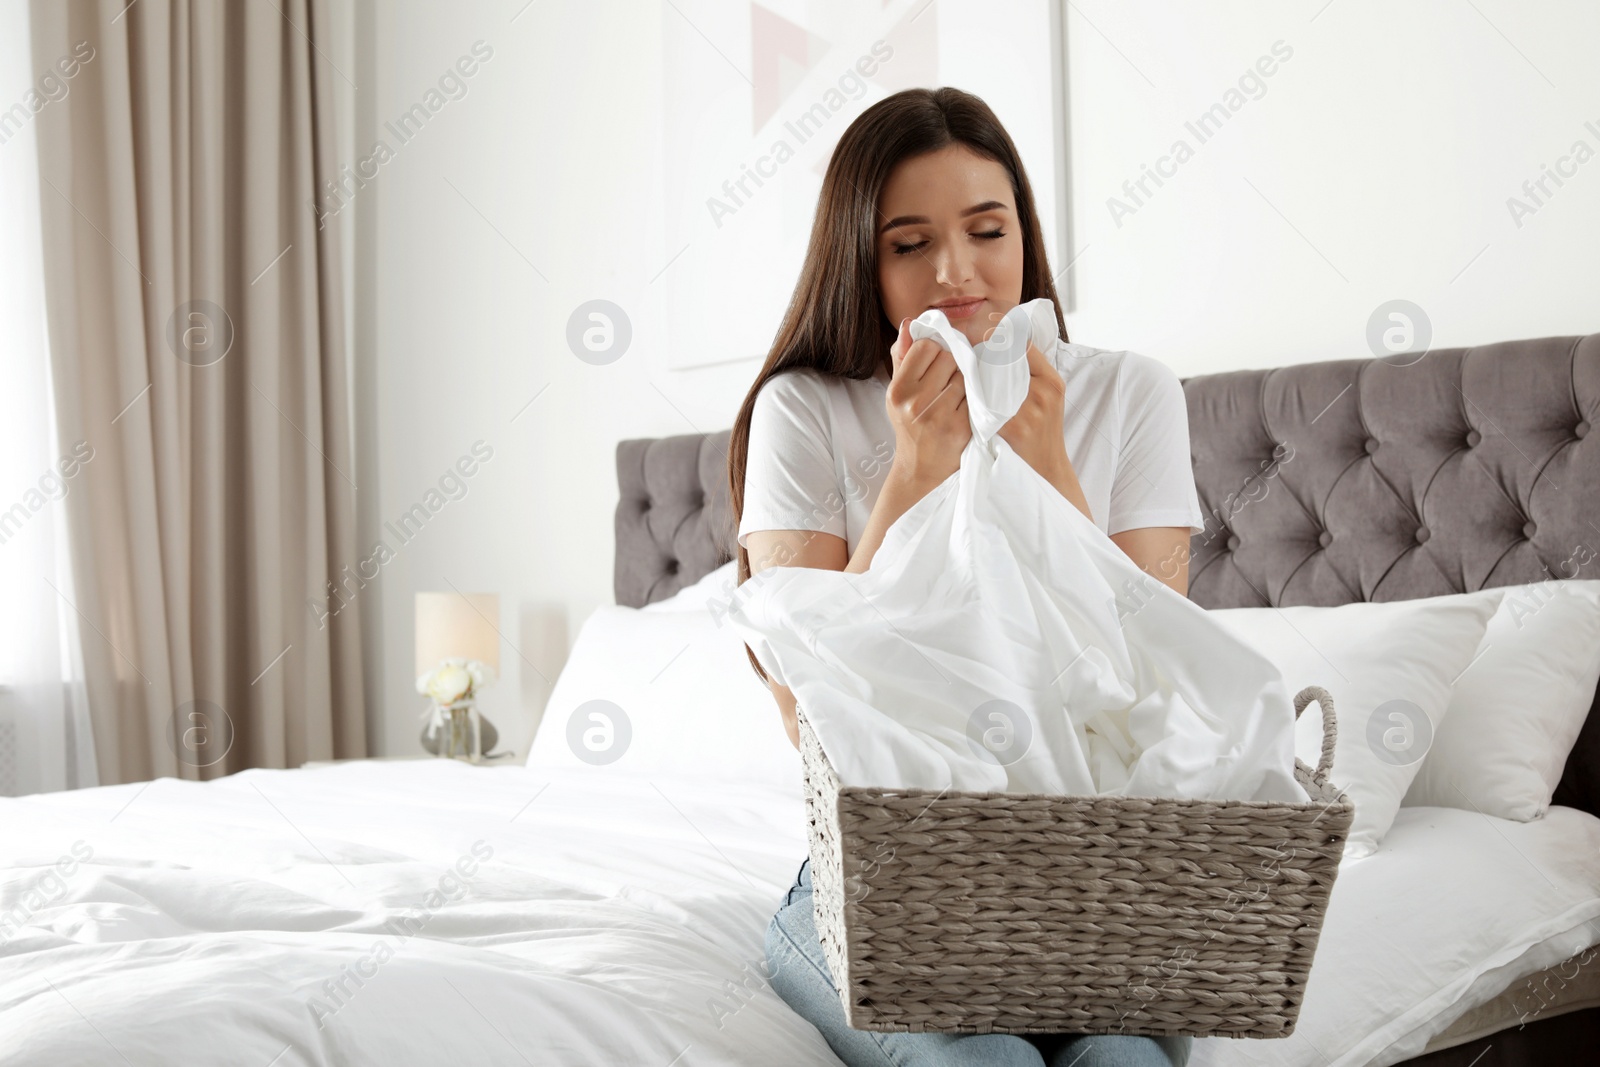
{"type": "Point", "coordinates": [953, 262]}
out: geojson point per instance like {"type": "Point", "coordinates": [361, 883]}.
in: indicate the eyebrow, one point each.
{"type": "Point", "coordinates": [909, 220]}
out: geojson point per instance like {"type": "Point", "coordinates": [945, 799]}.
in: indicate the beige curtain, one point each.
{"type": "Point", "coordinates": [197, 346]}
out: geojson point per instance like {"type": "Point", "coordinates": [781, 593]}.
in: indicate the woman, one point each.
{"type": "Point", "coordinates": [849, 423]}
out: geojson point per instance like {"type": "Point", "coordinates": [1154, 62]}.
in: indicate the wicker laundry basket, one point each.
{"type": "Point", "coordinates": [969, 912]}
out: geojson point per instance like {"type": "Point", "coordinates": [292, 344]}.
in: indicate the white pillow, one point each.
{"type": "Point", "coordinates": [1389, 667]}
{"type": "Point", "coordinates": [668, 691]}
{"type": "Point", "coordinates": [1517, 710]}
{"type": "Point", "coordinates": [718, 585]}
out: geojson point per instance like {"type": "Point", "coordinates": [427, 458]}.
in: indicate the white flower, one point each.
{"type": "Point", "coordinates": [482, 673]}
{"type": "Point", "coordinates": [454, 679]}
{"type": "Point", "coordinates": [449, 684]}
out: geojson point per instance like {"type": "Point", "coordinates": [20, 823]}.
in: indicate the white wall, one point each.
{"type": "Point", "coordinates": [1390, 140]}
{"type": "Point", "coordinates": [529, 196]}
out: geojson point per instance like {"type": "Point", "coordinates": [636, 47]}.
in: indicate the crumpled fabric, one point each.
{"type": "Point", "coordinates": [1000, 641]}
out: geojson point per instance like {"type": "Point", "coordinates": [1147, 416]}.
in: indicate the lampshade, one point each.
{"type": "Point", "coordinates": [460, 625]}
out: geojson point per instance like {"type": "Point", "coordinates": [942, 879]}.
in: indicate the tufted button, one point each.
{"type": "Point", "coordinates": [1325, 539]}
{"type": "Point", "coordinates": [1473, 437]}
{"type": "Point", "coordinates": [1529, 528]}
{"type": "Point", "coordinates": [1423, 535]}
{"type": "Point", "coordinates": [671, 566]}
{"type": "Point", "coordinates": [1233, 543]}
{"type": "Point", "coordinates": [1372, 445]}
{"type": "Point", "coordinates": [1581, 429]}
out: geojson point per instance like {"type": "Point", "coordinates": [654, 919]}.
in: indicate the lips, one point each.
{"type": "Point", "coordinates": [962, 310]}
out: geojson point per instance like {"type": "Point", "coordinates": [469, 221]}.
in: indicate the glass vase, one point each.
{"type": "Point", "coordinates": [462, 739]}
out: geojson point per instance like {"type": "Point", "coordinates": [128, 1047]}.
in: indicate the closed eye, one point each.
{"type": "Point", "coordinates": [990, 235]}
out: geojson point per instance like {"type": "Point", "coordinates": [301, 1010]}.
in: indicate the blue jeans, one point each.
{"type": "Point", "coordinates": [799, 974]}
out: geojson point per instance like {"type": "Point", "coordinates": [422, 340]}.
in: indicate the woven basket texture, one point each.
{"type": "Point", "coordinates": [965, 912]}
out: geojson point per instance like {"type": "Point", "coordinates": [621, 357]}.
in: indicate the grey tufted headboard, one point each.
{"type": "Point", "coordinates": [674, 517]}
{"type": "Point", "coordinates": [1323, 483]}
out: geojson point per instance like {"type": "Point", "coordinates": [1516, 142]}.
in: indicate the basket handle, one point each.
{"type": "Point", "coordinates": [1330, 724]}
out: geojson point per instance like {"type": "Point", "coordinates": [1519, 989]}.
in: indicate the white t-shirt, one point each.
{"type": "Point", "coordinates": [821, 446]}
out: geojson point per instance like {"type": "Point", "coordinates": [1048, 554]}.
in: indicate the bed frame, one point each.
{"type": "Point", "coordinates": [1323, 483]}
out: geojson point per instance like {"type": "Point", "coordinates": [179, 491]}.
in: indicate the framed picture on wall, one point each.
{"type": "Point", "coordinates": [754, 98]}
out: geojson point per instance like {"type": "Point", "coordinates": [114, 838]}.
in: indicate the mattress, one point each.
{"type": "Point", "coordinates": [1571, 985]}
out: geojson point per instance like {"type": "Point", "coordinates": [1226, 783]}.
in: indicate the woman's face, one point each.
{"type": "Point", "coordinates": [948, 238]}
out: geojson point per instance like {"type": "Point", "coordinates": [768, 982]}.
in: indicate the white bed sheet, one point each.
{"type": "Point", "coordinates": [617, 919]}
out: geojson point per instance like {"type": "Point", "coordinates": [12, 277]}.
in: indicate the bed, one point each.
{"type": "Point", "coordinates": [587, 909]}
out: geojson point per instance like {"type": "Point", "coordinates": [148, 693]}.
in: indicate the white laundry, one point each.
{"type": "Point", "coordinates": [1001, 641]}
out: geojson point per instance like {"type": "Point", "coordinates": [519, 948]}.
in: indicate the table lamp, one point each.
{"type": "Point", "coordinates": [458, 654]}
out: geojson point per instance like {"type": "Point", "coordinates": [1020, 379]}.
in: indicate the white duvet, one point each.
{"type": "Point", "coordinates": [263, 918]}
{"type": "Point", "coordinates": [427, 912]}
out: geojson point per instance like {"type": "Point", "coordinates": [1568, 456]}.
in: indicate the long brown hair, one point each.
{"type": "Point", "coordinates": [835, 322]}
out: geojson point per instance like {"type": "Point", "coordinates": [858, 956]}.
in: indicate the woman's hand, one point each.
{"type": "Point", "coordinates": [927, 406]}
{"type": "Point", "coordinates": [1037, 431]}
